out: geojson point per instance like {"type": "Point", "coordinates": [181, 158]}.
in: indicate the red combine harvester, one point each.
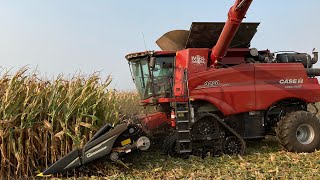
{"type": "Point", "coordinates": [213, 93]}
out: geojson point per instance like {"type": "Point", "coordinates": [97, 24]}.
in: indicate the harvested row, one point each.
{"type": "Point", "coordinates": [41, 121]}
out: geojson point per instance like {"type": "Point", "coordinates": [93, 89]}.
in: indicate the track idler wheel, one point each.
{"type": "Point", "coordinates": [232, 145]}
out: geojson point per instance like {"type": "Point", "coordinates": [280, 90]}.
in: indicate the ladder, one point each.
{"type": "Point", "coordinates": [183, 117]}
{"type": "Point", "coordinates": [183, 121]}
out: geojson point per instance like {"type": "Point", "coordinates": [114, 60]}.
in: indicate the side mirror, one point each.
{"type": "Point", "coordinates": [152, 62]}
{"type": "Point", "coordinates": [315, 56]}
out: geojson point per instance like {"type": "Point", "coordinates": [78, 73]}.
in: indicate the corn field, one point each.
{"type": "Point", "coordinates": [41, 120]}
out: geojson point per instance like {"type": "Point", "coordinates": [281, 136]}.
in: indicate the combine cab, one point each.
{"type": "Point", "coordinates": [214, 92]}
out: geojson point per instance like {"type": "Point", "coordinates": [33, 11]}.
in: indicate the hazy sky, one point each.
{"type": "Point", "coordinates": [68, 36]}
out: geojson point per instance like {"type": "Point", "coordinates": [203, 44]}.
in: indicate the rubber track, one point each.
{"type": "Point", "coordinates": [243, 142]}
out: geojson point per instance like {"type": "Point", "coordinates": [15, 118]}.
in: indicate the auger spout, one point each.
{"type": "Point", "coordinates": [235, 16]}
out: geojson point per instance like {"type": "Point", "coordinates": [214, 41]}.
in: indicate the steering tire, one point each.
{"type": "Point", "coordinates": [299, 132]}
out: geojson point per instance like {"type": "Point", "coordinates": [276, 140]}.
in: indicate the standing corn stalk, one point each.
{"type": "Point", "coordinates": [41, 121]}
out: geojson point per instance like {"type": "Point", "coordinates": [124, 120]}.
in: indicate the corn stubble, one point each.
{"type": "Point", "coordinates": [41, 121]}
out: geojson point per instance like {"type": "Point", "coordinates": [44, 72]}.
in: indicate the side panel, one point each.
{"type": "Point", "coordinates": [180, 65]}
{"type": "Point", "coordinates": [275, 82]}
{"type": "Point", "coordinates": [153, 121]}
{"type": "Point", "coordinates": [194, 60]}
{"type": "Point", "coordinates": [231, 89]}
{"type": "Point", "coordinates": [197, 60]}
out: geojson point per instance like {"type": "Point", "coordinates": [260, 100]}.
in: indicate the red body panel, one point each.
{"type": "Point", "coordinates": [229, 89]}
{"type": "Point", "coordinates": [155, 120]}
{"type": "Point", "coordinates": [194, 60]}
{"type": "Point", "coordinates": [252, 87]}
{"type": "Point", "coordinates": [271, 86]}
{"type": "Point", "coordinates": [163, 100]}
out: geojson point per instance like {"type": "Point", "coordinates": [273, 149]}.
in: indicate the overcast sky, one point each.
{"type": "Point", "coordinates": [68, 36]}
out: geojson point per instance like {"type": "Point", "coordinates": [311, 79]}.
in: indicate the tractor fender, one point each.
{"type": "Point", "coordinates": [225, 108]}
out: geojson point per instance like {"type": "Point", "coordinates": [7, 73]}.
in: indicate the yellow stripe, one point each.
{"type": "Point", "coordinates": [126, 142]}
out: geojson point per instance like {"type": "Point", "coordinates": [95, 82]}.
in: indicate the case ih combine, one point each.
{"type": "Point", "coordinates": [213, 93]}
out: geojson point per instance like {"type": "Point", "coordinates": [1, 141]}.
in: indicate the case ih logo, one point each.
{"type": "Point", "coordinates": [198, 59]}
{"type": "Point", "coordinates": [291, 81]}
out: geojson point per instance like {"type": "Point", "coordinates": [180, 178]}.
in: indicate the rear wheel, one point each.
{"type": "Point", "coordinates": [299, 132]}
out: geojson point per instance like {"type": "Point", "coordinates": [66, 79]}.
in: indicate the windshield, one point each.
{"type": "Point", "coordinates": [160, 83]}
{"type": "Point", "coordinates": [162, 76]}
{"type": "Point", "coordinates": [141, 76]}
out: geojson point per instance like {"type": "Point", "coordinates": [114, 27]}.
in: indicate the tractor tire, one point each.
{"type": "Point", "coordinates": [299, 132]}
{"type": "Point", "coordinates": [169, 145]}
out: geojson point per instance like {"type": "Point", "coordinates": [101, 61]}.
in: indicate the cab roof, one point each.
{"type": "Point", "coordinates": [149, 53]}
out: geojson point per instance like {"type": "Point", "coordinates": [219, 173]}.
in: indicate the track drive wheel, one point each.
{"type": "Point", "coordinates": [299, 132]}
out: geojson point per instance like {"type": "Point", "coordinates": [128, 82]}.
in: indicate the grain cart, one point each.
{"type": "Point", "coordinates": [213, 93]}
